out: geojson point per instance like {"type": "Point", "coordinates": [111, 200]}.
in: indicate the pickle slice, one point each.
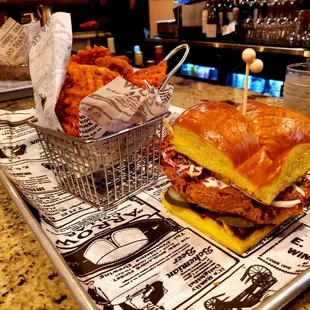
{"type": "Point", "coordinates": [236, 221]}
{"type": "Point", "coordinates": [173, 197]}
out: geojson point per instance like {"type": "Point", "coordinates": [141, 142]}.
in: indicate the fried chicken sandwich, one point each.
{"type": "Point", "coordinates": [236, 177]}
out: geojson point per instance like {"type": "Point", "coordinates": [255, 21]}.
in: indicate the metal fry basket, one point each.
{"type": "Point", "coordinates": [109, 169]}
{"type": "Point", "coordinates": [105, 170]}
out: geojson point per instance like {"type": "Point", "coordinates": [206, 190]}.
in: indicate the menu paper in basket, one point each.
{"type": "Point", "coordinates": [14, 44]}
{"type": "Point", "coordinates": [48, 58]}
{"type": "Point", "coordinates": [119, 105]}
{"type": "Point", "coordinates": [136, 255]}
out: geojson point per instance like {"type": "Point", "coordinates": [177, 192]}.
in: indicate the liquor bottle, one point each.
{"type": "Point", "coordinates": [159, 53]}
{"type": "Point", "coordinates": [239, 29]}
{"type": "Point", "coordinates": [139, 59]}
{"type": "Point", "coordinates": [226, 19]}
{"type": "Point", "coordinates": [264, 9]}
{"type": "Point", "coordinates": [205, 16]}
{"type": "Point", "coordinates": [230, 6]}
{"type": "Point", "coordinates": [294, 8]}
{"type": "Point", "coordinates": [255, 10]}
{"type": "Point", "coordinates": [275, 9]}
{"type": "Point", "coordinates": [111, 46]}
{"type": "Point", "coordinates": [244, 9]}
{"type": "Point", "coordinates": [211, 28]}
{"type": "Point", "coordinates": [286, 9]}
{"type": "Point", "coordinates": [221, 10]}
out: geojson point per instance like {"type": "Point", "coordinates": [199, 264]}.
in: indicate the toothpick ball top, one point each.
{"type": "Point", "coordinates": [256, 66]}
{"type": "Point", "coordinates": [248, 55]}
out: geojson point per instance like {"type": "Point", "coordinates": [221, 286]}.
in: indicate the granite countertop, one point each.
{"type": "Point", "coordinates": [28, 279]}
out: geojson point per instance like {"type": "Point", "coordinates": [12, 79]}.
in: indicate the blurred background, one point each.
{"type": "Point", "coordinates": [217, 31]}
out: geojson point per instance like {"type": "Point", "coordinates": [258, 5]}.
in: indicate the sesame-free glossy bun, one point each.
{"type": "Point", "coordinates": [224, 127]}
{"type": "Point", "coordinates": [261, 153]}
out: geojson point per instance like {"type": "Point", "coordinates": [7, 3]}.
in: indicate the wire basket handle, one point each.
{"type": "Point", "coordinates": [174, 70]}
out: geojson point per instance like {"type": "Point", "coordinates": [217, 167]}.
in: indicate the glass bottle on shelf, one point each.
{"type": "Point", "coordinates": [255, 10]}
{"type": "Point", "coordinates": [230, 6]}
{"type": "Point", "coordinates": [258, 26]}
{"type": "Point", "coordinates": [300, 36]}
{"type": "Point", "coordinates": [220, 15]}
{"type": "Point", "coordinates": [307, 40]}
{"type": "Point", "coordinates": [248, 28]}
{"type": "Point", "coordinates": [292, 21]}
{"type": "Point", "coordinates": [226, 19]}
{"type": "Point", "coordinates": [205, 16]}
{"type": "Point", "coordinates": [282, 20]}
{"type": "Point", "coordinates": [159, 53]}
{"type": "Point", "coordinates": [267, 34]}
{"type": "Point", "coordinates": [239, 30]}
{"type": "Point", "coordinates": [264, 9]}
{"type": "Point", "coordinates": [244, 9]}
{"type": "Point", "coordinates": [276, 12]}
{"type": "Point", "coordinates": [212, 22]}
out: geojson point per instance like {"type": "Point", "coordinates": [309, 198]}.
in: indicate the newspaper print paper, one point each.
{"type": "Point", "coordinates": [14, 44]}
{"type": "Point", "coordinates": [137, 255]}
{"type": "Point", "coordinates": [48, 58]}
{"type": "Point", "coordinates": [119, 105]}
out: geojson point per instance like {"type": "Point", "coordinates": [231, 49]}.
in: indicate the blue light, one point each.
{"type": "Point", "coordinates": [202, 72]}
{"type": "Point", "coordinates": [256, 84]}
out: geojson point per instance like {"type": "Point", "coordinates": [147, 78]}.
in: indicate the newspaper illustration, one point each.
{"type": "Point", "coordinates": [14, 44]}
{"type": "Point", "coordinates": [136, 255]}
{"type": "Point", "coordinates": [116, 106]}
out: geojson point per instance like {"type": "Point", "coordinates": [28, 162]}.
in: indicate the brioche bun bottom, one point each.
{"type": "Point", "coordinates": [221, 233]}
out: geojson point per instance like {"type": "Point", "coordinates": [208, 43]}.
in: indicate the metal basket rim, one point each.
{"type": "Point", "coordinates": [62, 135]}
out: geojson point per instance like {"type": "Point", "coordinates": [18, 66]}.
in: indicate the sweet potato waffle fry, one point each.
{"type": "Point", "coordinates": [116, 64]}
{"type": "Point", "coordinates": [154, 76]}
{"type": "Point", "coordinates": [90, 70]}
{"type": "Point", "coordinates": [81, 81]}
{"type": "Point", "coordinates": [89, 56]}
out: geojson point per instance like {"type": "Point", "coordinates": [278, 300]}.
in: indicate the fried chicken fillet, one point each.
{"type": "Point", "coordinates": [227, 200]}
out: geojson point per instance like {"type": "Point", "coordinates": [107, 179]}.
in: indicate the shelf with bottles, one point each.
{"type": "Point", "coordinates": [268, 22]}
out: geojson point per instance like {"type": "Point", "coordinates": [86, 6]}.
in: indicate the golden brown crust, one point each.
{"type": "Point", "coordinates": [277, 128]}
{"type": "Point", "coordinates": [257, 144]}
{"type": "Point", "coordinates": [223, 126]}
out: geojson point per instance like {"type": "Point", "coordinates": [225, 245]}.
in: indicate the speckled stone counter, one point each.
{"type": "Point", "coordinates": [28, 279]}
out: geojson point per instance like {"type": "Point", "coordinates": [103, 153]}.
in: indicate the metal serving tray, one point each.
{"type": "Point", "coordinates": [16, 93]}
{"type": "Point", "coordinates": [274, 302]}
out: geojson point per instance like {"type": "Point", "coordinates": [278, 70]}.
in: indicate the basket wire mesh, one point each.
{"type": "Point", "coordinates": [106, 170]}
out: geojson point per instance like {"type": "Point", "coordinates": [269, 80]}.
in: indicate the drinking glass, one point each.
{"type": "Point", "coordinates": [296, 93]}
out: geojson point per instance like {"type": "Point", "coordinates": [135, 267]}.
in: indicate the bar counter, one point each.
{"type": "Point", "coordinates": [28, 279]}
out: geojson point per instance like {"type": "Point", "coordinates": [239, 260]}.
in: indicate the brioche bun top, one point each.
{"type": "Point", "coordinates": [261, 152]}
